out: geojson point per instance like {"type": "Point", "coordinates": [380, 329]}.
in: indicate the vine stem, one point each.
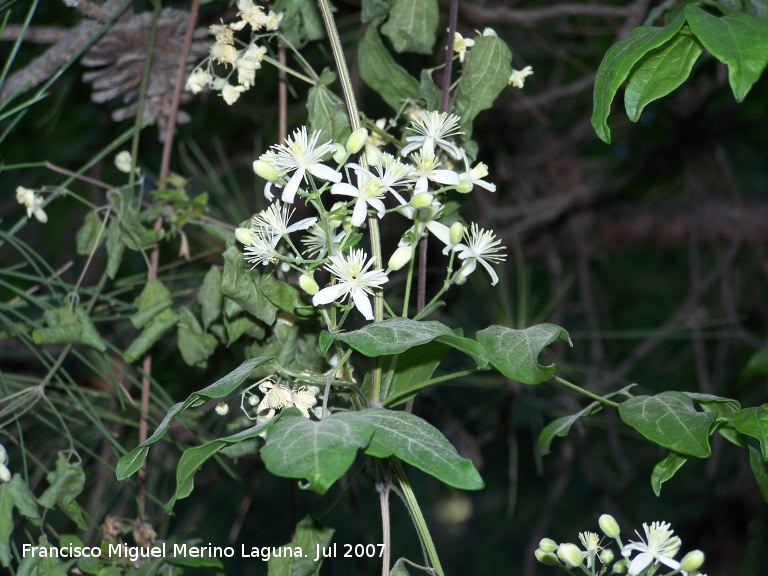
{"type": "Point", "coordinates": [586, 393]}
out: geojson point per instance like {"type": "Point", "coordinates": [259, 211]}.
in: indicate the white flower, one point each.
{"type": "Point", "coordinates": [660, 546]}
{"type": "Point", "coordinates": [32, 202]}
{"type": "Point", "coordinates": [474, 177]}
{"type": "Point", "coordinates": [259, 245]}
{"type": "Point", "coordinates": [273, 20]}
{"type": "Point", "coordinates": [353, 278]}
{"type": "Point", "coordinates": [461, 45]}
{"type": "Point", "coordinates": [231, 93]}
{"type": "Point", "coordinates": [517, 79]}
{"type": "Point", "coordinates": [301, 155]}
{"type": "Point", "coordinates": [274, 221]}
{"type": "Point", "coordinates": [5, 474]}
{"type": "Point", "coordinates": [251, 14]}
{"type": "Point", "coordinates": [369, 192]}
{"type": "Point", "coordinates": [591, 543]}
{"type": "Point", "coordinates": [224, 54]}
{"type": "Point", "coordinates": [222, 409]}
{"type": "Point", "coordinates": [246, 71]}
{"type": "Point", "coordinates": [482, 246]}
{"type": "Point", "coordinates": [123, 162]}
{"type": "Point", "coordinates": [276, 397]}
{"type": "Point", "coordinates": [427, 167]}
{"type": "Point", "coordinates": [432, 129]}
{"type": "Point", "coordinates": [317, 242]}
{"type": "Point", "coordinates": [305, 398]}
{"type": "Point", "coordinates": [255, 52]}
{"type": "Point", "coordinates": [223, 33]}
{"type": "Point", "coordinates": [3, 455]}
{"type": "Point", "coordinates": [198, 80]}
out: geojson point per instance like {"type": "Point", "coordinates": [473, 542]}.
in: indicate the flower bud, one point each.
{"type": "Point", "coordinates": [222, 408]}
{"type": "Point", "coordinates": [308, 284]}
{"type": "Point", "coordinates": [266, 170]}
{"type": "Point", "coordinates": [253, 400]}
{"type": "Point", "coordinates": [609, 526]}
{"type": "Point", "coordinates": [422, 200]}
{"type": "Point", "coordinates": [570, 554]}
{"type": "Point", "coordinates": [3, 455]}
{"type": "Point", "coordinates": [546, 558]}
{"type": "Point", "coordinates": [456, 232]}
{"type": "Point", "coordinates": [123, 162]}
{"type": "Point", "coordinates": [692, 561]}
{"type": "Point", "coordinates": [606, 556]}
{"type": "Point", "coordinates": [340, 154]}
{"type": "Point", "coordinates": [479, 172]}
{"type": "Point", "coordinates": [335, 220]}
{"type": "Point", "coordinates": [400, 257]}
{"type": "Point", "coordinates": [5, 474]}
{"type": "Point", "coordinates": [357, 140]}
{"type": "Point", "coordinates": [465, 185]}
{"type": "Point", "coordinates": [244, 235]}
{"type": "Point", "coordinates": [620, 567]}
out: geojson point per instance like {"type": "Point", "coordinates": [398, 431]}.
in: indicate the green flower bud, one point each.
{"type": "Point", "coordinates": [620, 567]}
{"type": "Point", "coordinates": [244, 235]}
{"type": "Point", "coordinates": [609, 526]}
{"type": "Point", "coordinates": [692, 561]}
{"type": "Point", "coordinates": [548, 545]}
{"type": "Point", "coordinates": [456, 232]}
{"type": "Point", "coordinates": [337, 219]}
{"type": "Point", "coordinates": [546, 558]}
{"type": "Point", "coordinates": [465, 185]}
{"type": "Point", "coordinates": [266, 170]}
{"type": "Point", "coordinates": [308, 284]}
{"type": "Point", "coordinates": [606, 556]}
{"type": "Point", "coordinates": [357, 140]}
{"type": "Point", "coordinates": [570, 554]}
{"type": "Point", "coordinates": [400, 257]}
{"type": "Point", "coordinates": [340, 154]}
{"type": "Point", "coordinates": [422, 200]}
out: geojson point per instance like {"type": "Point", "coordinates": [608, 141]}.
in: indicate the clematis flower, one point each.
{"type": "Point", "coordinates": [198, 80]}
{"type": "Point", "coordinates": [317, 242]}
{"type": "Point", "coordinates": [591, 543]}
{"type": "Point", "coordinates": [32, 201]}
{"type": "Point", "coordinates": [482, 246]}
{"type": "Point", "coordinates": [276, 397]}
{"type": "Point", "coordinates": [260, 245]}
{"type": "Point", "coordinates": [660, 546]}
{"type": "Point", "coordinates": [301, 154]}
{"type": "Point", "coordinates": [305, 398]}
{"type": "Point", "coordinates": [369, 192]}
{"type": "Point", "coordinates": [428, 168]}
{"type": "Point", "coordinates": [231, 93]}
{"type": "Point", "coordinates": [433, 129]}
{"type": "Point", "coordinates": [517, 78]}
{"type": "Point", "coordinates": [354, 278]}
{"type": "Point", "coordinates": [5, 473]}
{"type": "Point", "coordinates": [462, 45]}
{"type": "Point", "coordinates": [274, 221]}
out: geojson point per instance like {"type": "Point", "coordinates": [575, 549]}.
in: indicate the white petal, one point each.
{"type": "Point", "coordinates": [378, 205]}
{"type": "Point", "coordinates": [487, 185]}
{"type": "Point", "coordinates": [490, 270]}
{"type": "Point", "coordinates": [362, 303]}
{"type": "Point", "coordinates": [444, 177]}
{"type": "Point", "coordinates": [268, 192]}
{"type": "Point", "coordinates": [324, 172]}
{"type": "Point", "coordinates": [329, 294]}
{"type": "Point", "coordinates": [289, 192]}
{"type": "Point", "coordinates": [640, 563]}
{"type": "Point", "coordinates": [301, 225]}
{"type": "Point", "coordinates": [345, 190]}
{"type": "Point", "coordinates": [359, 213]}
{"type": "Point", "coordinates": [442, 232]}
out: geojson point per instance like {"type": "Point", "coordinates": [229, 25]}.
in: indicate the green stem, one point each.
{"type": "Point", "coordinates": [408, 282]}
{"type": "Point", "coordinates": [586, 393]}
{"type": "Point", "coordinates": [418, 518]}
{"type": "Point", "coordinates": [279, 66]}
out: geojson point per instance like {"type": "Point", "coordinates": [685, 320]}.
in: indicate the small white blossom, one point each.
{"type": "Point", "coordinates": [660, 546]}
{"type": "Point", "coordinates": [433, 130]}
{"type": "Point", "coordinates": [301, 154]}
{"type": "Point", "coordinates": [251, 14]}
{"type": "Point", "coordinates": [354, 278]}
{"type": "Point", "coordinates": [223, 33]}
{"type": "Point", "coordinates": [260, 245]}
{"type": "Point", "coordinates": [198, 80]}
{"type": "Point", "coordinates": [591, 543]}
{"type": "Point", "coordinates": [317, 242]}
{"type": "Point", "coordinates": [273, 20]}
{"type": "Point", "coordinates": [305, 398]}
{"type": "Point", "coordinates": [461, 45]}
{"type": "Point", "coordinates": [482, 246]}
{"type": "Point", "coordinates": [474, 177]}
{"type": "Point", "coordinates": [5, 473]}
{"type": "Point", "coordinates": [246, 71]}
{"type": "Point", "coordinates": [517, 78]}
{"type": "Point", "coordinates": [123, 162]}
{"type": "Point", "coordinates": [276, 397]}
{"type": "Point", "coordinates": [274, 221]}
{"type": "Point", "coordinates": [32, 201]}
{"type": "Point", "coordinates": [222, 408]}
{"type": "Point", "coordinates": [224, 54]}
{"type": "Point", "coordinates": [231, 93]}
{"type": "Point", "coordinates": [368, 192]}
{"type": "Point", "coordinates": [428, 168]}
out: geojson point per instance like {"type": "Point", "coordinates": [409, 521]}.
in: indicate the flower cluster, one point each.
{"type": "Point", "coordinates": [364, 181]}
{"type": "Point", "coordinates": [461, 46]}
{"type": "Point", "coordinates": [233, 55]}
{"type": "Point", "coordinates": [658, 548]}
{"type": "Point", "coordinates": [276, 397]}
{"type": "Point", "coordinates": [33, 203]}
{"type": "Point", "coordinates": [5, 473]}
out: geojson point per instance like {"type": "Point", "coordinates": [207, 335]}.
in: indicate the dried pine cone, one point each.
{"type": "Point", "coordinates": [120, 57]}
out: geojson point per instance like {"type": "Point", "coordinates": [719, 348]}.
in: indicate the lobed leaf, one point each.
{"type": "Point", "coordinates": [411, 25]}
{"type": "Point", "coordinates": [515, 353]}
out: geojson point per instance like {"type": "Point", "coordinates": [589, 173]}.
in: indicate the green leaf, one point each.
{"type": "Point", "coordinates": [193, 458]}
{"type": "Point", "coordinates": [486, 73]}
{"type": "Point", "coordinates": [670, 420]}
{"type": "Point", "coordinates": [327, 114]}
{"type": "Point", "coordinates": [309, 535]}
{"type": "Point", "coordinates": [373, 9]}
{"type": "Point", "coordinates": [320, 452]}
{"type": "Point", "coordinates": [415, 441]}
{"type": "Point", "coordinates": [14, 494]}
{"type": "Point", "coordinates": [412, 24]}
{"type": "Point", "coordinates": [561, 426]}
{"type": "Point", "coordinates": [89, 235]}
{"type": "Point", "coordinates": [195, 345]}
{"type": "Point", "coordinates": [66, 327]}
{"type": "Point", "coordinates": [242, 286]}
{"type": "Point", "coordinates": [281, 294]}
{"type": "Point", "coordinates": [325, 341]}
{"type": "Point", "coordinates": [470, 347]}
{"type": "Point", "coordinates": [151, 334]}
{"type": "Point", "coordinates": [134, 235]}
{"type": "Point", "coordinates": [67, 481]}
{"type": "Point", "coordinates": [740, 41]}
{"type": "Point", "coordinates": [760, 470]}
{"type": "Point", "coordinates": [515, 353]}
{"type": "Point", "coordinates": [209, 297]}
{"type": "Point", "coordinates": [301, 21]}
{"type": "Point", "coordinates": [429, 91]}
{"type": "Point", "coordinates": [115, 249]}
{"type": "Point", "coordinates": [754, 422]}
{"type": "Point", "coordinates": [413, 368]}
{"type": "Point", "coordinates": [381, 73]}
{"type": "Point", "coordinates": [757, 365]}
{"type": "Point", "coordinates": [195, 561]}
{"type": "Point", "coordinates": [665, 470]}
{"type": "Point", "coordinates": [23, 498]}
{"type": "Point", "coordinates": [131, 462]}
{"type": "Point", "coordinates": [660, 72]}
{"type": "Point", "coordinates": [393, 336]}
{"type": "Point", "coordinates": [617, 65]}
